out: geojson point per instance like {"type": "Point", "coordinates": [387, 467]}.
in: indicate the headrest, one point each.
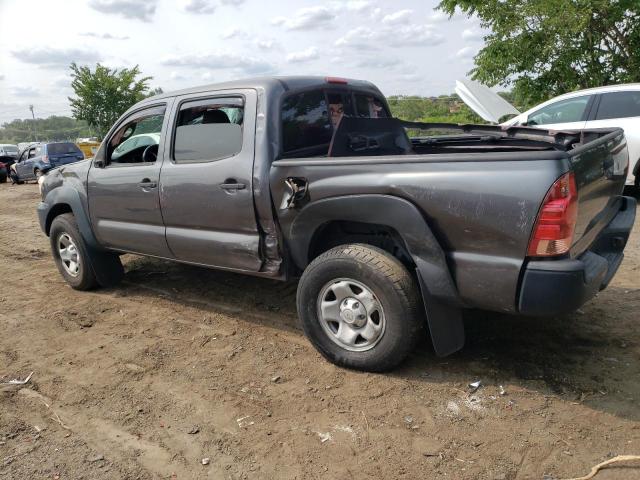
{"type": "Point", "coordinates": [215, 116]}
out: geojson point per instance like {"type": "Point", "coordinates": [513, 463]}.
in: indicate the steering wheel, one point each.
{"type": "Point", "coordinates": [150, 154]}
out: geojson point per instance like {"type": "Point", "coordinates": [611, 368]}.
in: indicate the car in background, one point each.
{"type": "Point", "coordinates": [38, 158]}
{"type": "Point", "coordinates": [8, 156]}
{"type": "Point", "coordinates": [23, 145]}
{"type": "Point", "coordinates": [601, 107]}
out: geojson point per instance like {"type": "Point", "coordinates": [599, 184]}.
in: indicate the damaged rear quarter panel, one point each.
{"type": "Point", "coordinates": [481, 212]}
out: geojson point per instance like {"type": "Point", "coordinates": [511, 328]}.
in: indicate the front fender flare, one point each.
{"type": "Point", "coordinates": [69, 196]}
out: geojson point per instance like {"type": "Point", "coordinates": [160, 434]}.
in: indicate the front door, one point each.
{"type": "Point", "coordinates": [19, 165]}
{"type": "Point", "coordinates": [26, 167]}
{"type": "Point", "coordinates": [123, 185]}
{"type": "Point", "coordinates": [206, 181]}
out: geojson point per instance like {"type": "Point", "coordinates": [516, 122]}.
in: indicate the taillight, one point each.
{"type": "Point", "coordinates": [45, 158]}
{"type": "Point", "coordinates": [556, 222]}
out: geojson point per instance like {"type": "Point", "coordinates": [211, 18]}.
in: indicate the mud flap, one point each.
{"type": "Point", "coordinates": [106, 266]}
{"type": "Point", "coordinates": [445, 323]}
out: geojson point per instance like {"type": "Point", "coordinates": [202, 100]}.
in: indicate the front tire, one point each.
{"type": "Point", "coordinates": [70, 253]}
{"type": "Point", "coordinates": [360, 308]}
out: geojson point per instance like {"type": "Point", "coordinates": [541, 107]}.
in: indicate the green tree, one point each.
{"type": "Point", "coordinates": [105, 94]}
{"type": "Point", "coordinates": [544, 48]}
{"type": "Point", "coordinates": [54, 128]}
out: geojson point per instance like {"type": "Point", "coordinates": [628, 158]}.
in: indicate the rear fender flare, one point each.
{"type": "Point", "coordinates": [439, 294]}
{"type": "Point", "coordinates": [397, 213]}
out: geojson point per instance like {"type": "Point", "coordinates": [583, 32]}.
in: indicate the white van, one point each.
{"type": "Point", "coordinates": [602, 107]}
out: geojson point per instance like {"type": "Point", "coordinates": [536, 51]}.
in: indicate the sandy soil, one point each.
{"type": "Point", "coordinates": [178, 364]}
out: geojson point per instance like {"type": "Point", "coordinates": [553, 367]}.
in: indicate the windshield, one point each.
{"type": "Point", "coordinates": [62, 148]}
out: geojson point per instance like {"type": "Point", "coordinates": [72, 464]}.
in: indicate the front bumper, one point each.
{"type": "Point", "coordinates": [555, 287]}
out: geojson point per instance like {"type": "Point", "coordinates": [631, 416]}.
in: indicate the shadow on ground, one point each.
{"type": "Point", "coordinates": [590, 356]}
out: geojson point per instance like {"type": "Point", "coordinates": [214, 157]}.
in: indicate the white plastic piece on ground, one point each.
{"type": "Point", "coordinates": [482, 100]}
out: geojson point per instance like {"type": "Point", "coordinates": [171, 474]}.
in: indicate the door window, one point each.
{"type": "Point", "coordinates": [564, 111]}
{"type": "Point", "coordinates": [208, 130]}
{"type": "Point", "coordinates": [138, 139]}
{"type": "Point", "coordinates": [32, 153]}
{"type": "Point", "coordinates": [619, 105]}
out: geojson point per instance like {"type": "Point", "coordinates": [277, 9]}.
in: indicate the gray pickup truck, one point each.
{"type": "Point", "coordinates": [311, 177]}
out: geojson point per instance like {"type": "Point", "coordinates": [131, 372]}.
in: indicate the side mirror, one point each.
{"type": "Point", "coordinates": [98, 163]}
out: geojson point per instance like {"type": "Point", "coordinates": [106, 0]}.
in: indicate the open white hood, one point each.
{"type": "Point", "coordinates": [486, 103]}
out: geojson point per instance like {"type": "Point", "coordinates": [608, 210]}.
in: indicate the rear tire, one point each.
{"type": "Point", "coordinates": [360, 308]}
{"type": "Point", "coordinates": [70, 253]}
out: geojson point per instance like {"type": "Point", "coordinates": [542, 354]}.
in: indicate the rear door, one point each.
{"type": "Point", "coordinates": [124, 202]}
{"type": "Point", "coordinates": [207, 181]}
{"type": "Point", "coordinates": [621, 109]}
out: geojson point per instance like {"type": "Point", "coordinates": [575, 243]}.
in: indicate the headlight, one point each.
{"type": "Point", "coordinates": [40, 182]}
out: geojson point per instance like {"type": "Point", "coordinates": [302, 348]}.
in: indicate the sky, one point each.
{"type": "Point", "coordinates": [404, 46]}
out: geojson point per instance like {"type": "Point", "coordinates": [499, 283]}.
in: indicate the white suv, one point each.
{"type": "Point", "coordinates": [602, 107]}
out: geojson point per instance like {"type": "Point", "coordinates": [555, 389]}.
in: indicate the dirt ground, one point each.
{"type": "Point", "coordinates": [179, 364]}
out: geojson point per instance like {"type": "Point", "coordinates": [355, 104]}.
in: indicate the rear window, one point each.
{"type": "Point", "coordinates": [619, 105]}
{"type": "Point", "coordinates": [306, 127]}
{"type": "Point", "coordinates": [309, 118]}
{"type": "Point", "coordinates": [62, 148]}
{"type": "Point", "coordinates": [368, 106]}
{"type": "Point", "coordinates": [10, 149]}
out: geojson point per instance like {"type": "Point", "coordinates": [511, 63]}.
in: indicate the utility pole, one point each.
{"type": "Point", "coordinates": [35, 133]}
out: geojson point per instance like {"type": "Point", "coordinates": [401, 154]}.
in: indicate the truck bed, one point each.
{"type": "Point", "coordinates": [480, 205]}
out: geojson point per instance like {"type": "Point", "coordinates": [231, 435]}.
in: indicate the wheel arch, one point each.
{"type": "Point", "coordinates": [67, 200]}
{"type": "Point", "coordinates": [439, 293]}
{"type": "Point", "coordinates": [401, 219]}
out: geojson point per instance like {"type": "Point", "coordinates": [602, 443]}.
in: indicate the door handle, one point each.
{"type": "Point", "coordinates": [232, 184]}
{"type": "Point", "coordinates": [146, 183]}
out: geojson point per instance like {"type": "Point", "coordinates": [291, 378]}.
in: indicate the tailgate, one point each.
{"type": "Point", "coordinates": [600, 165]}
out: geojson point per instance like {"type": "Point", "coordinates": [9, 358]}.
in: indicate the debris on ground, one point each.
{"type": "Point", "coordinates": [206, 460]}
{"type": "Point", "coordinates": [598, 467]}
{"type": "Point", "coordinates": [15, 381]}
{"type": "Point", "coordinates": [474, 386]}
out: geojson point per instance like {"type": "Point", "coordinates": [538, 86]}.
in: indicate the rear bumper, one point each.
{"type": "Point", "coordinates": [555, 287]}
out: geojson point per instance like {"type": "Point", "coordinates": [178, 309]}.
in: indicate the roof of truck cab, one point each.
{"type": "Point", "coordinates": [269, 84]}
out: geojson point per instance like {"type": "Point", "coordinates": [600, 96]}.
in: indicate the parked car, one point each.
{"type": "Point", "coordinates": [602, 107]}
{"type": "Point", "coordinates": [8, 156]}
{"type": "Point", "coordinates": [38, 158]}
{"type": "Point", "coordinates": [310, 177]}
